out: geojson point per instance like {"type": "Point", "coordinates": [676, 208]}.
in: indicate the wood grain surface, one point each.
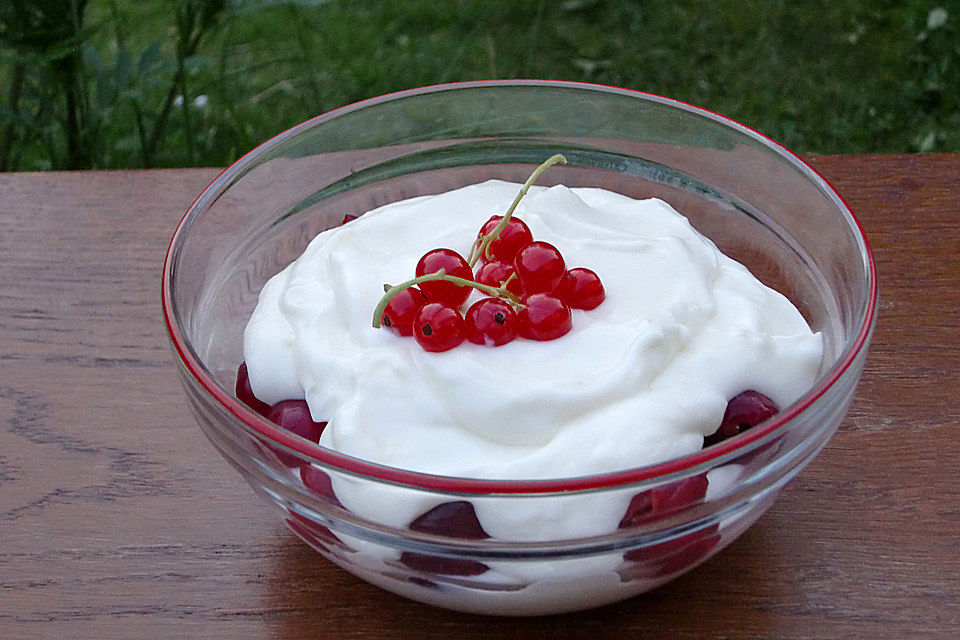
{"type": "Point", "coordinates": [118, 520]}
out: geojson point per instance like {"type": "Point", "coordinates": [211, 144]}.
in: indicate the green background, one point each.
{"type": "Point", "coordinates": [160, 83]}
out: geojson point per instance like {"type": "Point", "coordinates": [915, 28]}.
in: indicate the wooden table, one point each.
{"type": "Point", "coordinates": [118, 520]}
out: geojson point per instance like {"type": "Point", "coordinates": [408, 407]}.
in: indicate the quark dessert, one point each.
{"type": "Point", "coordinates": [642, 378]}
{"type": "Point", "coordinates": [680, 347]}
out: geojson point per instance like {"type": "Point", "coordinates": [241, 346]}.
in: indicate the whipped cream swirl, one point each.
{"type": "Point", "coordinates": [639, 380]}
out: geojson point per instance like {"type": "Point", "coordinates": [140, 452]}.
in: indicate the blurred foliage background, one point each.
{"type": "Point", "coordinates": [160, 83]}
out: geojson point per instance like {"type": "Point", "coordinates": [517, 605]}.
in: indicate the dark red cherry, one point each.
{"type": "Point", "coordinates": [318, 482]}
{"type": "Point", "coordinates": [544, 317]}
{"type": "Point", "coordinates": [440, 565]}
{"type": "Point", "coordinates": [515, 235]}
{"type": "Point", "coordinates": [310, 535]}
{"type": "Point", "coordinates": [245, 393]}
{"type": "Point", "coordinates": [294, 416]}
{"type": "Point", "coordinates": [745, 410]}
{"type": "Point", "coordinates": [401, 310]}
{"type": "Point", "coordinates": [493, 273]}
{"type": "Point", "coordinates": [438, 327]}
{"type": "Point", "coordinates": [456, 519]}
{"type": "Point", "coordinates": [491, 322]}
{"type": "Point", "coordinates": [666, 558]}
{"type": "Point", "coordinates": [313, 532]}
{"type": "Point", "coordinates": [439, 290]}
{"type": "Point", "coordinates": [581, 289]}
{"type": "Point", "coordinates": [663, 500]}
{"type": "Point", "coordinates": [539, 266]}
{"type": "Point", "coordinates": [423, 582]}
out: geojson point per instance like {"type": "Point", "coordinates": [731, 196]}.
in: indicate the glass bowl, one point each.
{"type": "Point", "coordinates": [757, 201]}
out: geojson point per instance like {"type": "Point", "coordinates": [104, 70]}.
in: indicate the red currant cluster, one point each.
{"type": "Point", "coordinates": [529, 289]}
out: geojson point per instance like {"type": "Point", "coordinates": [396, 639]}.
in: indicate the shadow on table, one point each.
{"type": "Point", "coordinates": [737, 593]}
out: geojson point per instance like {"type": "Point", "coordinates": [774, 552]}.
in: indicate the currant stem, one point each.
{"type": "Point", "coordinates": [496, 292]}
{"type": "Point", "coordinates": [484, 241]}
{"type": "Point", "coordinates": [390, 292]}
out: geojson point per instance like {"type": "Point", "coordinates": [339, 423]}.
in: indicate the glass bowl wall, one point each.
{"type": "Point", "coordinates": [758, 202]}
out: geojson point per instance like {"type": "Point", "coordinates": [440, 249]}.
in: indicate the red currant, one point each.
{"type": "Point", "coordinates": [314, 533]}
{"type": "Point", "coordinates": [666, 558]}
{"type": "Point", "coordinates": [513, 237]}
{"type": "Point", "coordinates": [441, 565]}
{"type": "Point", "coordinates": [438, 327]}
{"type": "Point", "coordinates": [245, 393]}
{"type": "Point", "coordinates": [400, 311]}
{"type": "Point", "coordinates": [539, 266]}
{"type": "Point", "coordinates": [665, 499]}
{"type": "Point", "coordinates": [439, 290]}
{"type": "Point", "coordinates": [456, 519]}
{"type": "Point", "coordinates": [581, 289]}
{"type": "Point", "coordinates": [493, 273]}
{"type": "Point", "coordinates": [294, 416]}
{"type": "Point", "coordinates": [671, 556]}
{"type": "Point", "coordinates": [544, 317]}
{"type": "Point", "coordinates": [491, 321]}
{"type": "Point", "coordinates": [319, 482]}
{"type": "Point", "coordinates": [745, 410]}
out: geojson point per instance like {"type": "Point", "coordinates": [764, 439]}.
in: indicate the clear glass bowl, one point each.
{"type": "Point", "coordinates": [760, 203]}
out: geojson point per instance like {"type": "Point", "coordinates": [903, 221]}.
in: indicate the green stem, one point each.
{"type": "Point", "coordinates": [393, 291]}
{"type": "Point", "coordinates": [187, 43]}
{"type": "Point", "coordinates": [9, 132]}
{"type": "Point", "coordinates": [484, 241]}
{"type": "Point", "coordinates": [306, 54]}
{"type": "Point", "coordinates": [390, 292]}
{"type": "Point", "coordinates": [495, 292]}
{"type": "Point", "coordinates": [68, 76]}
{"type": "Point", "coordinates": [185, 110]}
{"type": "Point", "coordinates": [77, 121]}
{"type": "Point", "coordinates": [118, 25]}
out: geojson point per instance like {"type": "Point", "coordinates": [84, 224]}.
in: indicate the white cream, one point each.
{"type": "Point", "coordinates": [640, 379]}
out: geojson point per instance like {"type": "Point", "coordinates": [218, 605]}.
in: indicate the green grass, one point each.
{"type": "Point", "coordinates": [821, 77]}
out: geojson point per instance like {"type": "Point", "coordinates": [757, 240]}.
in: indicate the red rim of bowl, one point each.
{"type": "Point", "coordinates": [453, 484]}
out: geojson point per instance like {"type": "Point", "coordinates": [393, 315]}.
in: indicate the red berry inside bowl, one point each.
{"type": "Point", "coordinates": [491, 322]}
{"type": "Point", "coordinates": [443, 566]}
{"type": "Point", "coordinates": [440, 290]}
{"type": "Point", "coordinates": [456, 519]}
{"type": "Point", "coordinates": [514, 236]}
{"type": "Point", "coordinates": [663, 500]}
{"type": "Point", "coordinates": [666, 558]}
{"type": "Point", "coordinates": [294, 416]}
{"type": "Point", "coordinates": [423, 582]}
{"type": "Point", "coordinates": [314, 533]}
{"type": "Point", "coordinates": [539, 266]}
{"type": "Point", "coordinates": [401, 310]}
{"type": "Point", "coordinates": [544, 317]}
{"type": "Point", "coordinates": [319, 482]}
{"type": "Point", "coordinates": [745, 410]}
{"type": "Point", "coordinates": [438, 327]}
{"type": "Point", "coordinates": [493, 273]}
{"type": "Point", "coordinates": [581, 289]}
{"type": "Point", "coordinates": [245, 393]}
